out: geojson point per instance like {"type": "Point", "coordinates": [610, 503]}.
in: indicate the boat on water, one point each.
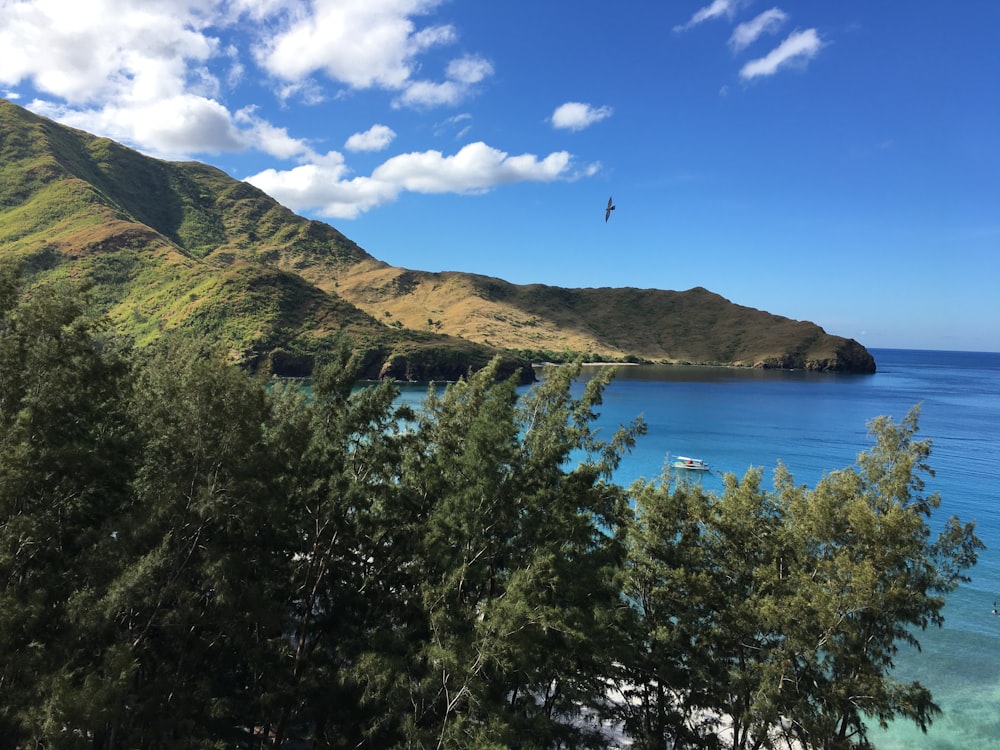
{"type": "Point", "coordinates": [690, 464]}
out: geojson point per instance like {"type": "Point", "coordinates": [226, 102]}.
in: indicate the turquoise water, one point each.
{"type": "Point", "coordinates": [816, 423]}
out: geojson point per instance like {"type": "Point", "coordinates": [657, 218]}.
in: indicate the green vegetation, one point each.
{"type": "Point", "coordinates": [182, 248]}
{"type": "Point", "coordinates": [193, 557]}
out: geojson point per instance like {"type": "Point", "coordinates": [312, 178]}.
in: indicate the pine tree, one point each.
{"type": "Point", "coordinates": [870, 575]}
{"type": "Point", "coordinates": [519, 558]}
{"type": "Point", "coordinates": [666, 678]}
{"type": "Point", "coordinates": [66, 443]}
{"type": "Point", "coordinates": [769, 618]}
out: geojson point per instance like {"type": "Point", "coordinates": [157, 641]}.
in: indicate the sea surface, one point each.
{"type": "Point", "coordinates": [815, 423]}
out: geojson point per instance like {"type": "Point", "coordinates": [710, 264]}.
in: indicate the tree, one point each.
{"type": "Point", "coordinates": [192, 622]}
{"type": "Point", "coordinates": [66, 444]}
{"type": "Point", "coordinates": [782, 612]}
{"type": "Point", "coordinates": [193, 557]}
{"type": "Point", "coordinates": [350, 590]}
{"type": "Point", "coordinates": [519, 562]}
{"type": "Point", "coordinates": [871, 574]}
{"type": "Point", "coordinates": [666, 676]}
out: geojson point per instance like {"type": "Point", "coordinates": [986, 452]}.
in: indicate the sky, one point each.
{"type": "Point", "coordinates": [832, 162]}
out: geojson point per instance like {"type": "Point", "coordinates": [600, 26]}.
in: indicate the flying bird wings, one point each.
{"type": "Point", "coordinates": [611, 207]}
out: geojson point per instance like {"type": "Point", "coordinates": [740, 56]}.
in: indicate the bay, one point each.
{"type": "Point", "coordinates": [815, 423]}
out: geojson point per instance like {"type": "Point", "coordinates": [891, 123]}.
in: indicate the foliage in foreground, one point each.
{"type": "Point", "coordinates": [191, 557]}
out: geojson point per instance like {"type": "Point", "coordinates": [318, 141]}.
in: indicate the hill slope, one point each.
{"type": "Point", "coordinates": [694, 326]}
{"type": "Point", "coordinates": [182, 246]}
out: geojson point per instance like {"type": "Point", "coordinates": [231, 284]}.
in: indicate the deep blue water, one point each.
{"type": "Point", "coordinates": [815, 423]}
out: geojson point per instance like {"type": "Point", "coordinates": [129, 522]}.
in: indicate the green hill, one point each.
{"type": "Point", "coordinates": [182, 246]}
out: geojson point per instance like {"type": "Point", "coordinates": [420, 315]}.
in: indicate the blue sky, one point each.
{"type": "Point", "coordinates": [833, 162]}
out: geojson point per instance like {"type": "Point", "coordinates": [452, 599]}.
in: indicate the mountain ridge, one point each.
{"type": "Point", "coordinates": [181, 245]}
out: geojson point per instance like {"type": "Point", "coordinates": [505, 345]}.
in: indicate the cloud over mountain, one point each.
{"type": "Point", "coordinates": [158, 75]}
{"type": "Point", "coordinates": [475, 168]}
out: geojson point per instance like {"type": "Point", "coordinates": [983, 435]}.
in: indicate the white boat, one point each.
{"type": "Point", "coordinates": [690, 464]}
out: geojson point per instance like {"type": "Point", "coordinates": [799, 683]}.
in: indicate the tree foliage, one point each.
{"type": "Point", "coordinates": [194, 557]}
{"type": "Point", "coordinates": [767, 618]}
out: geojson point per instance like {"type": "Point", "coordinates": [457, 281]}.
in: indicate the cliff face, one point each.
{"type": "Point", "coordinates": [849, 356]}
{"type": "Point", "coordinates": [180, 246]}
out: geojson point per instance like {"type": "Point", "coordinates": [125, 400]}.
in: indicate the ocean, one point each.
{"type": "Point", "coordinates": [815, 423]}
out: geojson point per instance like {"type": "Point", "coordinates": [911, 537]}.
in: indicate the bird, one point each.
{"type": "Point", "coordinates": [611, 207]}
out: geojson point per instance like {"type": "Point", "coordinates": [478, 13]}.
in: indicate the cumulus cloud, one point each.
{"type": "Point", "coordinates": [376, 138]}
{"type": "Point", "coordinates": [717, 9]}
{"type": "Point", "coordinates": [798, 48]}
{"type": "Point", "coordinates": [475, 168]}
{"type": "Point", "coordinates": [173, 127]}
{"type": "Point", "coordinates": [365, 44]}
{"type": "Point", "coordinates": [318, 185]}
{"type": "Point", "coordinates": [137, 72]}
{"type": "Point", "coordinates": [429, 94]}
{"type": "Point", "coordinates": [116, 67]}
{"type": "Point", "coordinates": [470, 69]}
{"type": "Point", "coordinates": [747, 33]}
{"type": "Point", "coordinates": [271, 139]}
{"type": "Point", "coordinates": [462, 75]}
{"type": "Point", "coordinates": [159, 75]}
{"type": "Point", "coordinates": [83, 53]}
{"type": "Point", "coordinates": [361, 43]}
{"type": "Point", "coordinates": [577, 115]}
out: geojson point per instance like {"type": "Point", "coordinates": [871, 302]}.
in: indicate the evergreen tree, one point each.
{"type": "Point", "coordinates": [520, 560]}
{"type": "Point", "coordinates": [190, 557]}
{"type": "Point", "coordinates": [349, 589]}
{"type": "Point", "coordinates": [194, 612]}
{"type": "Point", "coordinates": [66, 449]}
{"type": "Point", "coordinates": [870, 574]}
{"type": "Point", "coordinates": [666, 678]}
{"type": "Point", "coordinates": [770, 618]}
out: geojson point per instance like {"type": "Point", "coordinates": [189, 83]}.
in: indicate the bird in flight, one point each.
{"type": "Point", "coordinates": [609, 209]}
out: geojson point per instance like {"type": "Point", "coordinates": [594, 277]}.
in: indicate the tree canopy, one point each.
{"type": "Point", "coordinates": [191, 556]}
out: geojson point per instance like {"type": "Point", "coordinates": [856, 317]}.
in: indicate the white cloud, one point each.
{"type": "Point", "coordinates": [159, 75]}
{"type": "Point", "coordinates": [577, 115]}
{"type": "Point", "coordinates": [376, 138]}
{"type": "Point", "coordinates": [271, 139]}
{"type": "Point", "coordinates": [430, 94]}
{"type": "Point", "coordinates": [260, 10]}
{"type": "Point", "coordinates": [469, 69]}
{"type": "Point", "coordinates": [90, 52]}
{"type": "Point", "coordinates": [475, 168]}
{"type": "Point", "coordinates": [115, 67]}
{"type": "Point", "coordinates": [747, 33]}
{"type": "Point", "coordinates": [361, 43]}
{"type": "Point", "coordinates": [799, 47]}
{"type": "Point", "coordinates": [717, 9]}
{"type": "Point", "coordinates": [174, 127]}
{"type": "Point", "coordinates": [136, 72]}
{"type": "Point", "coordinates": [462, 74]}
{"type": "Point", "coordinates": [324, 186]}
{"type": "Point", "coordinates": [457, 126]}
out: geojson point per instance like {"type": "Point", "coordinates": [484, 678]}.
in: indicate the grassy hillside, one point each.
{"type": "Point", "coordinates": [694, 326]}
{"type": "Point", "coordinates": [182, 246]}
